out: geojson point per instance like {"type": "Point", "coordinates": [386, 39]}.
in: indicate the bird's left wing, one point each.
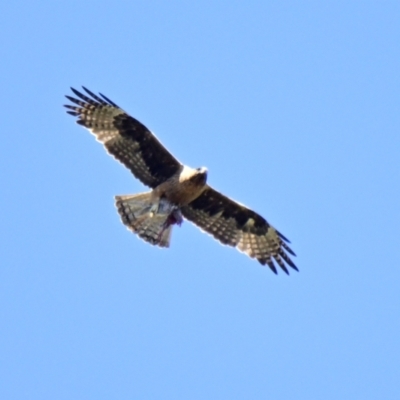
{"type": "Point", "coordinates": [235, 225]}
{"type": "Point", "coordinates": [124, 137]}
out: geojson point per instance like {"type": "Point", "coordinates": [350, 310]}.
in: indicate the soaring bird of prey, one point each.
{"type": "Point", "coordinates": [177, 191]}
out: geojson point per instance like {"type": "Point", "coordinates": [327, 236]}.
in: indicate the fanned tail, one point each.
{"type": "Point", "coordinates": [151, 220]}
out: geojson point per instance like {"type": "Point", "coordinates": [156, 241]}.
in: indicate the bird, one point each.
{"type": "Point", "coordinates": [178, 192]}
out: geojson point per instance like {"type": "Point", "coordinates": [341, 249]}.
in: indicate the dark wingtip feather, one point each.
{"type": "Point", "coordinates": [75, 92]}
{"type": "Point", "coordinates": [70, 98]}
{"type": "Point", "coordinates": [88, 91]}
{"type": "Point", "coordinates": [291, 263]}
{"type": "Point", "coordinates": [108, 100]}
{"type": "Point", "coordinates": [288, 249]}
{"type": "Point", "coordinates": [283, 267]}
{"type": "Point", "coordinates": [94, 96]}
{"type": "Point", "coordinates": [282, 236]}
{"type": "Point", "coordinates": [272, 267]}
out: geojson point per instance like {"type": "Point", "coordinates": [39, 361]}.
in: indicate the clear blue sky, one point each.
{"type": "Point", "coordinates": [294, 109]}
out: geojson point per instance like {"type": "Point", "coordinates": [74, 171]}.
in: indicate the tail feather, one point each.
{"type": "Point", "coordinates": [151, 221]}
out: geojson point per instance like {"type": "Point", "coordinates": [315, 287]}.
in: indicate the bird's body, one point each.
{"type": "Point", "coordinates": [183, 187]}
{"type": "Point", "coordinates": [177, 190]}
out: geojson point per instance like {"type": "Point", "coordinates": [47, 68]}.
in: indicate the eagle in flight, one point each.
{"type": "Point", "coordinates": [177, 191]}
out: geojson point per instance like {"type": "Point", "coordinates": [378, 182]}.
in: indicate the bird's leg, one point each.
{"type": "Point", "coordinates": [175, 217]}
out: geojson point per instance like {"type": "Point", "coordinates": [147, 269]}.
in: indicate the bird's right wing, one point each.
{"type": "Point", "coordinates": [124, 137]}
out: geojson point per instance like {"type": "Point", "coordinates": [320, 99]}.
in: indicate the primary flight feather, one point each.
{"type": "Point", "coordinates": [177, 190]}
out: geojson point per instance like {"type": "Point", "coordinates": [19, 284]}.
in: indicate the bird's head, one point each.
{"type": "Point", "coordinates": [200, 177]}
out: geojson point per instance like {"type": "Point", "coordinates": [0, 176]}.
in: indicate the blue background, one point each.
{"type": "Point", "coordinates": [294, 109]}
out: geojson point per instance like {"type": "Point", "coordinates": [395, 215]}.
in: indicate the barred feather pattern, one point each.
{"type": "Point", "coordinates": [124, 137]}
{"type": "Point", "coordinates": [235, 225]}
{"type": "Point", "coordinates": [152, 223]}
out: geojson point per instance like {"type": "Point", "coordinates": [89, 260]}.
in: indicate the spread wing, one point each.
{"type": "Point", "coordinates": [124, 137]}
{"type": "Point", "coordinates": [235, 225]}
